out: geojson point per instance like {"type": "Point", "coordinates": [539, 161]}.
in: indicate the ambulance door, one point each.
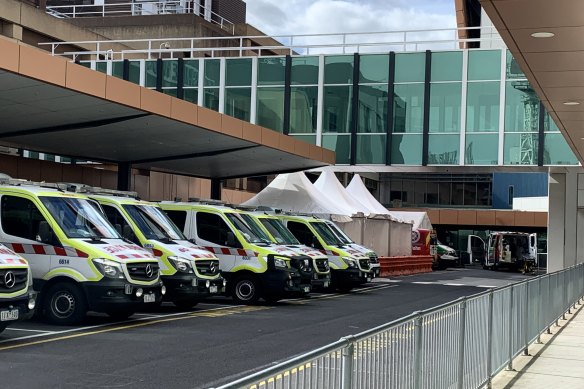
{"type": "Point", "coordinates": [533, 246]}
{"type": "Point", "coordinates": [491, 251]}
{"type": "Point", "coordinates": [476, 249]}
{"type": "Point", "coordinates": [26, 231]}
{"type": "Point", "coordinates": [213, 233]}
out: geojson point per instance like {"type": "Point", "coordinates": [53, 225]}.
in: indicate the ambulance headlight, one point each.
{"type": "Point", "coordinates": [109, 268]}
{"type": "Point", "coordinates": [280, 262]}
{"type": "Point", "coordinates": [31, 303]}
{"type": "Point", "coordinates": [182, 265]}
{"type": "Point", "coordinates": [352, 263]}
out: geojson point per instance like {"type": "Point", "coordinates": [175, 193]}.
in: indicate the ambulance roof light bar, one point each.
{"type": "Point", "coordinates": [96, 190]}
{"type": "Point", "coordinates": [22, 182]}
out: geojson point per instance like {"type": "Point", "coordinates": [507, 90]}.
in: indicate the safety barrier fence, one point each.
{"type": "Point", "coordinates": [461, 344]}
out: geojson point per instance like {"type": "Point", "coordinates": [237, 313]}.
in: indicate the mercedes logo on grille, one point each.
{"type": "Point", "coordinates": [212, 267]}
{"type": "Point", "coordinates": [9, 279]}
{"type": "Point", "coordinates": [149, 271]}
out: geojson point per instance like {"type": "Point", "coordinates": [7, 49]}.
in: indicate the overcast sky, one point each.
{"type": "Point", "coordinates": [277, 17]}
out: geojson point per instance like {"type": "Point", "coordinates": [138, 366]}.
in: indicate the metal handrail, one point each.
{"type": "Point", "coordinates": [138, 8]}
{"type": "Point", "coordinates": [306, 44]}
{"type": "Point", "coordinates": [527, 319]}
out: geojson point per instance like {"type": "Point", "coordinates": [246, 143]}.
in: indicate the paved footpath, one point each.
{"type": "Point", "coordinates": [556, 363]}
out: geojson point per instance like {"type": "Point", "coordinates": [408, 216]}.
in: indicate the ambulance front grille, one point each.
{"type": "Point", "coordinates": [13, 280]}
{"type": "Point", "coordinates": [373, 258]}
{"type": "Point", "coordinates": [207, 267]}
{"type": "Point", "coordinates": [364, 263]}
{"type": "Point", "coordinates": [321, 265]}
{"type": "Point", "coordinates": [143, 271]}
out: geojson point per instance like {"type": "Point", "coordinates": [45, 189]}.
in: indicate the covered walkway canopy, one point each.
{"type": "Point", "coordinates": [50, 105]}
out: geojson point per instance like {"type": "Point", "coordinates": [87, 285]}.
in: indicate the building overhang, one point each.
{"type": "Point", "coordinates": [555, 65]}
{"type": "Point", "coordinates": [51, 105]}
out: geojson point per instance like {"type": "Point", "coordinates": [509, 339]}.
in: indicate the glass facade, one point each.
{"type": "Point", "coordinates": [467, 107]}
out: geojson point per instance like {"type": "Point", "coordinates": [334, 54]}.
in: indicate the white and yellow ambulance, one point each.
{"type": "Point", "coordinates": [78, 260]}
{"type": "Point", "coordinates": [349, 267]}
{"type": "Point", "coordinates": [272, 228]}
{"type": "Point", "coordinates": [254, 267]}
{"type": "Point", "coordinates": [17, 299]}
{"type": "Point", "coordinates": [189, 272]}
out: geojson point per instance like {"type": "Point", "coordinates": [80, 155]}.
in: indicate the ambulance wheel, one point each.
{"type": "Point", "coordinates": [120, 315]}
{"type": "Point", "coordinates": [185, 304]}
{"type": "Point", "coordinates": [65, 303]}
{"type": "Point", "coordinates": [246, 290]}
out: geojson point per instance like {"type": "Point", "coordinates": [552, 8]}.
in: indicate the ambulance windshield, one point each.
{"type": "Point", "coordinates": [153, 223]}
{"type": "Point", "coordinates": [279, 231]}
{"type": "Point", "coordinates": [326, 234]}
{"type": "Point", "coordinates": [78, 218]}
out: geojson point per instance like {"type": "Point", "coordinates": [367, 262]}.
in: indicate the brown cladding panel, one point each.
{"type": "Point", "coordinates": [467, 217]}
{"type": "Point", "coordinates": [182, 188]}
{"type": "Point", "coordinates": [91, 176]}
{"type": "Point", "coordinates": [29, 169]}
{"type": "Point", "coordinates": [38, 64]}
{"type": "Point", "coordinates": [72, 173]}
{"type": "Point", "coordinates": [252, 132]}
{"type": "Point", "coordinates": [434, 215]}
{"type": "Point", "coordinates": [156, 102]}
{"type": "Point", "coordinates": [156, 184]}
{"type": "Point", "coordinates": [524, 219]}
{"type": "Point", "coordinates": [52, 172]}
{"type": "Point", "coordinates": [184, 111]}
{"type": "Point", "coordinates": [448, 216]}
{"type": "Point", "coordinates": [9, 165]}
{"type": "Point", "coordinates": [540, 219]}
{"type": "Point", "coordinates": [109, 179]}
{"type": "Point", "coordinates": [486, 218]}
{"type": "Point", "coordinates": [231, 126]}
{"type": "Point", "coordinates": [142, 186]}
{"type": "Point", "coordinates": [209, 119]}
{"type": "Point", "coordinates": [10, 58]}
{"type": "Point", "coordinates": [122, 92]}
{"type": "Point", "coordinates": [270, 138]}
{"type": "Point", "coordinates": [85, 80]}
{"type": "Point", "coordinates": [504, 218]}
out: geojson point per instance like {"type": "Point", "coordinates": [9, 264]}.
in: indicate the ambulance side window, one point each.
{"type": "Point", "coordinates": [117, 220]}
{"type": "Point", "coordinates": [179, 218]}
{"type": "Point", "coordinates": [20, 217]}
{"type": "Point", "coordinates": [303, 234]}
{"type": "Point", "coordinates": [212, 228]}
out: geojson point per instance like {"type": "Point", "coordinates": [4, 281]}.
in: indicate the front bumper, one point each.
{"type": "Point", "coordinates": [375, 269]}
{"type": "Point", "coordinates": [189, 287]}
{"type": "Point", "coordinates": [279, 282]}
{"type": "Point", "coordinates": [350, 277]}
{"type": "Point", "coordinates": [109, 295]}
{"type": "Point", "coordinates": [320, 281]}
{"type": "Point", "coordinates": [20, 304]}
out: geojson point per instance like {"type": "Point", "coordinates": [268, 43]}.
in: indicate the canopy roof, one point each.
{"type": "Point", "coordinates": [293, 192]}
{"type": "Point", "coordinates": [358, 191]}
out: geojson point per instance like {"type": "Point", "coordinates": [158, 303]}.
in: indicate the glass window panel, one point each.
{"type": "Point", "coordinates": [410, 67]}
{"type": "Point", "coordinates": [484, 64]}
{"type": "Point", "coordinates": [557, 152]}
{"type": "Point", "coordinates": [420, 192]}
{"type": "Point", "coordinates": [482, 112]}
{"type": "Point", "coordinates": [169, 73]}
{"type": "Point", "coordinates": [445, 190]}
{"type": "Point", "coordinates": [134, 75]}
{"type": "Point", "coordinates": [101, 67]}
{"type": "Point", "coordinates": [371, 149]}
{"type": "Point", "coordinates": [170, 92]}
{"type": "Point", "coordinates": [520, 149]}
{"type": "Point", "coordinates": [483, 193]}
{"type": "Point", "coordinates": [150, 69]}
{"type": "Point", "coordinates": [270, 108]}
{"type": "Point", "coordinates": [457, 197]}
{"type": "Point", "coordinates": [211, 98]}
{"type": "Point", "coordinates": [521, 107]}
{"type": "Point", "coordinates": [406, 149]}
{"type": "Point", "coordinates": [470, 193]}
{"type": "Point", "coordinates": [118, 69]}
{"type": "Point", "coordinates": [238, 102]}
{"type": "Point", "coordinates": [443, 149]}
{"type": "Point", "coordinates": [191, 95]}
{"type": "Point", "coordinates": [271, 71]}
{"type": "Point", "coordinates": [337, 108]}
{"type": "Point", "coordinates": [431, 193]}
{"type": "Point", "coordinates": [374, 68]}
{"type": "Point", "coordinates": [372, 108]}
{"type": "Point", "coordinates": [445, 102]}
{"type": "Point", "coordinates": [338, 69]}
{"type": "Point", "coordinates": [191, 72]}
{"type": "Point", "coordinates": [303, 109]}
{"type": "Point", "coordinates": [212, 72]}
{"type": "Point", "coordinates": [86, 64]}
{"type": "Point", "coordinates": [481, 149]}
{"type": "Point", "coordinates": [304, 71]}
{"type": "Point", "coordinates": [513, 69]}
{"type": "Point", "coordinates": [549, 124]}
{"type": "Point", "coordinates": [408, 108]}
{"type": "Point", "coordinates": [306, 138]}
{"type": "Point", "coordinates": [446, 66]}
{"type": "Point", "coordinates": [238, 72]}
{"type": "Point", "coordinates": [408, 192]}
{"type": "Point", "coordinates": [340, 144]}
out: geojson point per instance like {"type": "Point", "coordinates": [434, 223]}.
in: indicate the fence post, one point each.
{"type": "Point", "coordinates": [565, 289]}
{"type": "Point", "coordinates": [526, 321]}
{"type": "Point", "coordinates": [462, 332]}
{"type": "Point", "coordinates": [418, 321]}
{"type": "Point", "coordinates": [540, 322]}
{"type": "Point", "coordinates": [510, 323]}
{"type": "Point", "coordinates": [490, 341]}
{"type": "Point", "coordinates": [347, 363]}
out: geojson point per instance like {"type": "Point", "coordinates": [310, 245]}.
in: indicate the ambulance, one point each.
{"type": "Point", "coordinates": [253, 267]}
{"type": "Point", "coordinates": [514, 250]}
{"type": "Point", "coordinates": [348, 242]}
{"type": "Point", "coordinates": [17, 299]}
{"type": "Point", "coordinates": [78, 260]}
{"type": "Point", "coordinates": [349, 267]}
{"type": "Point", "coordinates": [189, 272]}
{"type": "Point", "coordinates": [273, 229]}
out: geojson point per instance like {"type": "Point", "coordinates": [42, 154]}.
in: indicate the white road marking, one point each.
{"type": "Point", "coordinates": [452, 284]}
{"type": "Point", "coordinates": [486, 286]}
{"type": "Point", "coordinates": [27, 330]}
{"type": "Point", "coordinates": [424, 282]}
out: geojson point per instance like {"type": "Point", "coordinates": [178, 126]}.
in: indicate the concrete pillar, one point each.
{"type": "Point", "coordinates": [565, 218]}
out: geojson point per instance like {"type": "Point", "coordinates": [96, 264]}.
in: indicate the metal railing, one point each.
{"type": "Point", "coordinates": [461, 344]}
{"type": "Point", "coordinates": [140, 8]}
{"type": "Point", "coordinates": [306, 44]}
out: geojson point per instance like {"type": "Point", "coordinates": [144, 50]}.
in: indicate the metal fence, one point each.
{"type": "Point", "coordinates": [461, 344]}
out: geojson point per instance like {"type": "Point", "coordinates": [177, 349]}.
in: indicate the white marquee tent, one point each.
{"type": "Point", "coordinates": [359, 192]}
{"type": "Point", "coordinates": [332, 190]}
